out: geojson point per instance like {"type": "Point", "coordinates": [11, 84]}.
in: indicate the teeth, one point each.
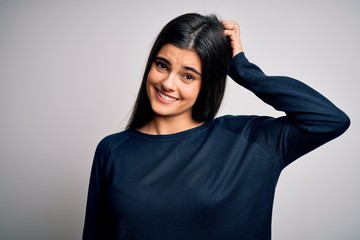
{"type": "Point", "coordinates": [167, 98]}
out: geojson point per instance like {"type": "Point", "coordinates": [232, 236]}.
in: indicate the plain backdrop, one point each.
{"type": "Point", "coordinates": [70, 71]}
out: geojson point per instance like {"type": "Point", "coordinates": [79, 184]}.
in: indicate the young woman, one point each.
{"type": "Point", "coordinates": [177, 172]}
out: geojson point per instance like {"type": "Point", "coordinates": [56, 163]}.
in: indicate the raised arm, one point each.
{"type": "Point", "coordinates": [311, 119]}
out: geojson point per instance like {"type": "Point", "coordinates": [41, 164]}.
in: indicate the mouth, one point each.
{"type": "Point", "coordinates": [165, 98]}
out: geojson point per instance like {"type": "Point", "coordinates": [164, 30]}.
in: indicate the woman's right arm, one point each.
{"type": "Point", "coordinates": [96, 218]}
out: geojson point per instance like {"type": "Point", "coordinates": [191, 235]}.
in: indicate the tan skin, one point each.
{"type": "Point", "coordinates": [232, 29]}
{"type": "Point", "coordinates": [174, 82]}
{"type": "Point", "coordinates": [173, 85]}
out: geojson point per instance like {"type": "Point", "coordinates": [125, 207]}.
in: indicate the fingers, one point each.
{"type": "Point", "coordinates": [232, 30]}
{"type": "Point", "coordinates": [231, 26]}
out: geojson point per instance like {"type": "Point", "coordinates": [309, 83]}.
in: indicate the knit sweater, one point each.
{"type": "Point", "coordinates": [215, 181]}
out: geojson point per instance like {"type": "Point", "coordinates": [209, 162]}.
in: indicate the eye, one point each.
{"type": "Point", "coordinates": [161, 65]}
{"type": "Point", "coordinates": [188, 77]}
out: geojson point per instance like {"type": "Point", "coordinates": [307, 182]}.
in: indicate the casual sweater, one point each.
{"type": "Point", "coordinates": [215, 181]}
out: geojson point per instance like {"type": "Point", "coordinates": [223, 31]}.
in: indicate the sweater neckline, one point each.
{"type": "Point", "coordinates": [173, 136]}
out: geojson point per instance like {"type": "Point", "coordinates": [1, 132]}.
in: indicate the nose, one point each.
{"type": "Point", "coordinates": [169, 84]}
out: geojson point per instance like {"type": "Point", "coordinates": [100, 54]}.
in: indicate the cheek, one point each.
{"type": "Point", "coordinates": [193, 92]}
{"type": "Point", "coordinates": [148, 87]}
{"type": "Point", "coordinates": [150, 78]}
{"type": "Point", "coordinates": [150, 81]}
{"type": "Point", "coordinates": [198, 88]}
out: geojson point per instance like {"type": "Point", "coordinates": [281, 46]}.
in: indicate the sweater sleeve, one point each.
{"type": "Point", "coordinates": [311, 119]}
{"type": "Point", "coordinates": [97, 220]}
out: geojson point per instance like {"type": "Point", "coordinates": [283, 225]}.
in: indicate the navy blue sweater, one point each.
{"type": "Point", "coordinates": [215, 181]}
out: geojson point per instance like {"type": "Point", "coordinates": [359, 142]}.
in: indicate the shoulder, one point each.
{"type": "Point", "coordinates": [235, 123]}
{"type": "Point", "coordinates": [112, 141]}
{"type": "Point", "coordinates": [250, 125]}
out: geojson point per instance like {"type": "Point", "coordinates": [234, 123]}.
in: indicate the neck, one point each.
{"type": "Point", "coordinates": [164, 125]}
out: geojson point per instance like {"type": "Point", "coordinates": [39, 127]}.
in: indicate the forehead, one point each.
{"type": "Point", "coordinates": [181, 56]}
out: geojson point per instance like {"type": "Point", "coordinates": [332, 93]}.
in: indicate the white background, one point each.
{"type": "Point", "coordinates": [70, 71]}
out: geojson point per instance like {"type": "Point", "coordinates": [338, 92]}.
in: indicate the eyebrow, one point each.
{"type": "Point", "coordinates": [184, 67]}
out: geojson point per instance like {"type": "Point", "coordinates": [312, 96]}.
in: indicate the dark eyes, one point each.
{"type": "Point", "coordinates": [189, 77]}
{"type": "Point", "coordinates": [163, 66]}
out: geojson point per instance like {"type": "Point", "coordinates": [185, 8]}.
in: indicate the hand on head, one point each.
{"type": "Point", "coordinates": [232, 30]}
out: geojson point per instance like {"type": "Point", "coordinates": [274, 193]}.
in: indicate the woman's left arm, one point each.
{"type": "Point", "coordinates": [311, 119]}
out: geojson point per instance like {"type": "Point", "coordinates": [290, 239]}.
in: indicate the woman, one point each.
{"type": "Point", "coordinates": [178, 173]}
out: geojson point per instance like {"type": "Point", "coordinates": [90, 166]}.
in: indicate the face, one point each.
{"type": "Point", "coordinates": [174, 81]}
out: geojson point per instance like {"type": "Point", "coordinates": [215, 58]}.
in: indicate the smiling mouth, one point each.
{"type": "Point", "coordinates": [165, 97]}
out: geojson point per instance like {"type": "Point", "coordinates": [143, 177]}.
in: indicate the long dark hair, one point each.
{"type": "Point", "coordinates": [204, 35]}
